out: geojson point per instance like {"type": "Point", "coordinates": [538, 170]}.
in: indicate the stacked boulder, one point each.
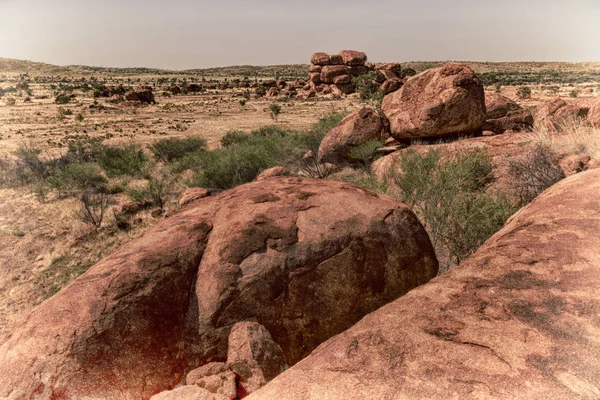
{"type": "Point", "coordinates": [556, 112]}
{"type": "Point", "coordinates": [334, 73]}
{"type": "Point", "coordinates": [253, 359]}
{"type": "Point", "coordinates": [389, 77]}
{"type": "Point", "coordinates": [503, 115]}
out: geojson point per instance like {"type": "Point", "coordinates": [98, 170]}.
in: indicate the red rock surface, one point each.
{"type": "Point", "coordinates": [518, 320]}
{"type": "Point", "coordinates": [359, 127]}
{"type": "Point", "coordinates": [304, 258]}
{"type": "Point", "coordinates": [437, 102]}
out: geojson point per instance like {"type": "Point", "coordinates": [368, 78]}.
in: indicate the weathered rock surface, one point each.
{"type": "Point", "coordinates": [353, 57]}
{"type": "Point", "coordinates": [436, 103]}
{"type": "Point", "coordinates": [518, 120]}
{"type": "Point", "coordinates": [254, 356]}
{"type": "Point", "coordinates": [304, 258]}
{"type": "Point", "coordinates": [518, 320]}
{"type": "Point", "coordinates": [356, 128]}
{"type": "Point", "coordinates": [272, 172]}
{"type": "Point", "coordinates": [320, 59]}
{"type": "Point", "coordinates": [594, 113]}
{"type": "Point", "coordinates": [498, 106]}
{"type": "Point", "coordinates": [330, 72]}
{"type": "Point", "coordinates": [143, 96]}
{"type": "Point", "coordinates": [192, 194]}
{"type": "Point", "coordinates": [555, 112]}
{"type": "Point", "coordinates": [391, 86]}
{"type": "Point", "coordinates": [186, 393]}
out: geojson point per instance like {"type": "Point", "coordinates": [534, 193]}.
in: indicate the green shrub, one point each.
{"type": "Point", "coordinates": [274, 111]}
{"type": "Point", "coordinates": [327, 122]}
{"type": "Point", "coordinates": [450, 198]}
{"type": "Point", "coordinates": [81, 176]}
{"type": "Point", "coordinates": [524, 92]}
{"type": "Point", "coordinates": [93, 206]}
{"type": "Point", "coordinates": [173, 149]}
{"type": "Point", "coordinates": [269, 131]}
{"type": "Point", "coordinates": [363, 179]}
{"type": "Point", "coordinates": [10, 101]}
{"type": "Point", "coordinates": [533, 173]}
{"type": "Point", "coordinates": [86, 150]}
{"type": "Point", "coordinates": [366, 152]}
{"type": "Point", "coordinates": [368, 89]}
{"type": "Point", "coordinates": [232, 138]}
{"type": "Point", "coordinates": [407, 72]}
{"type": "Point", "coordinates": [63, 99]}
{"type": "Point", "coordinates": [117, 161]}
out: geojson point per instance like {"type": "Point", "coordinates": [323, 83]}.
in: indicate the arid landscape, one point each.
{"type": "Point", "coordinates": [206, 230]}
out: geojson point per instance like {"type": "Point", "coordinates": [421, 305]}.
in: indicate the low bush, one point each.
{"type": "Point", "coordinates": [366, 151]}
{"type": "Point", "coordinates": [232, 138]}
{"type": "Point", "coordinates": [274, 111]}
{"type": "Point", "coordinates": [169, 150]}
{"type": "Point", "coordinates": [450, 198]}
{"type": "Point", "coordinates": [534, 173]}
{"type": "Point", "coordinates": [524, 92]}
{"type": "Point", "coordinates": [368, 89]}
{"type": "Point", "coordinates": [118, 161]}
{"type": "Point", "coordinates": [326, 123]}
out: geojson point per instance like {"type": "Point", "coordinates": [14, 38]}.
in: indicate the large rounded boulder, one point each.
{"type": "Point", "coordinates": [304, 258]}
{"type": "Point", "coordinates": [357, 128]}
{"type": "Point", "coordinates": [436, 103]}
{"type": "Point", "coordinates": [517, 320]}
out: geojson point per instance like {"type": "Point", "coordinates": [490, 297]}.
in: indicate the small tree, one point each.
{"type": "Point", "coordinates": [93, 206]}
{"type": "Point", "coordinates": [524, 92]}
{"type": "Point", "coordinates": [274, 111]}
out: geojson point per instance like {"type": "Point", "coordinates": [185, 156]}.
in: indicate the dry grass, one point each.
{"type": "Point", "coordinates": [574, 136]}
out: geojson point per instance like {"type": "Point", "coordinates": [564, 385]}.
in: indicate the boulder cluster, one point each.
{"type": "Point", "coordinates": [306, 259]}
{"type": "Point", "coordinates": [333, 74]}
{"type": "Point", "coordinates": [517, 320]}
{"type": "Point", "coordinates": [443, 102]}
{"type": "Point", "coordinates": [253, 359]}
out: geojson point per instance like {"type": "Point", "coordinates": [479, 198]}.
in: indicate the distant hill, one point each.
{"type": "Point", "coordinates": [491, 72]}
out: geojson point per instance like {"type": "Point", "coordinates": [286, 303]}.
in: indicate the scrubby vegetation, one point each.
{"type": "Point", "coordinates": [368, 89]}
{"type": "Point", "coordinates": [169, 150]}
{"type": "Point", "coordinates": [449, 194]}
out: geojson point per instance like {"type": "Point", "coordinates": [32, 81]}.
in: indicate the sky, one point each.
{"type": "Point", "coordinates": [185, 34]}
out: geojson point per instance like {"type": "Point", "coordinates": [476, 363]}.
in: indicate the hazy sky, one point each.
{"type": "Point", "coordinates": [181, 34]}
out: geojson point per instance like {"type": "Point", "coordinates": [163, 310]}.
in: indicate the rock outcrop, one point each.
{"type": "Point", "coordinates": [504, 115]}
{"type": "Point", "coordinates": [304, 258]}
{"type": "Point", "coordinates": [357, 128]}
{"type": "Point", "coordinates": [594, 114]}
{"type": "Point", "coordinates": [254, 356]}
{"type": "Point", "coordinates": [518, 320]}
{"type": "Point", "coordinates": [143, 95]}
{"type": "Point", "coordinates": [334, 73]}
{"type": "Point", "coordinates": [436, 103]}
{"type": "Point", "coordinates": [556, 112]}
